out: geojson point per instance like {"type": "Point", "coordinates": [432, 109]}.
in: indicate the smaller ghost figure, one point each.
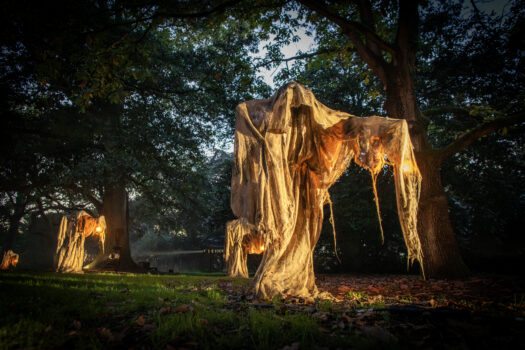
{"type": "Point", "coordinates": [241, 239]}
{"type": "Point", "coordinates": [10, 258]}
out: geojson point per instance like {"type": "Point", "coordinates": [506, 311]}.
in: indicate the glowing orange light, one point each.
{"type": "Point", "coordinates": [407, 167]}
{"type": "Point", "coordinates": [262, 248]}
{"type": "Point", "coordinates": [98, 229]}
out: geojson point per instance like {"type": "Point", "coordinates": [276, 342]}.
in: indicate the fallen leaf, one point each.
{"type": "Point", "coordinates": [183, 308]}
{"type": "Point", "coordinates": [346, 317]}
{"type": "Point", "coordinates": [106, 333]}
{"type": "Point", "coordinates": [343, 289]}
{"type": "Point", "coordinates": [379, 333]}
{"type": "Point", "coordinates": [77, 324]}
{"type": "Point", "coordinates": [293, 346]}
{"type": "Point", "coordinates": [191, 344]}
{"type": "Point", "coordinates": [149, 327]}
{"type": "Point", "coordinates": [164, 310]}
{"type": "Point", "coordinates": [322, 316]}
{"type": "Point", "coordinates": [140, 320]}
{"type": "Point", "coordinates": [373, 290]}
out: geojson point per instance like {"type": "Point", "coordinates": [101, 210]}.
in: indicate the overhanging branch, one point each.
{"type": "Point", "coordinates": [89, 196]}
{"type": "Point", "coordinates": [179, 14]}
{"type": "Point", "coordinates": [348, 26]}
{"type": "Point", "coordinates": [446, 110]}
{"type": "Point", "coordinates": [469, 137]}
{"type": "Point", "coordinates": [298, 57]}
{"type": "Point", "coordinates": [455, 110]}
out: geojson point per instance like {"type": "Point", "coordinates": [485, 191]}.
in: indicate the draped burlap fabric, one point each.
{"type": "Point", "coordinates": [71, 238]}
{"type": "Point", "coordinates": [9, 258]}
{"type": "Point", "coordinates": [289, 150]}
{"type": "Point", "coordinates": [241, 239]}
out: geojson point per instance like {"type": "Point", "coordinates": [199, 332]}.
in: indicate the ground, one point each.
{"type": "Point", "coordinates": [49, 310]}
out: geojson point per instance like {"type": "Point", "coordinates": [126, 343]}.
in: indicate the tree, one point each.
{"type": "Point", "coordinates": [387, 37]}
{"type": "Point", "coordinates": [130, 102]}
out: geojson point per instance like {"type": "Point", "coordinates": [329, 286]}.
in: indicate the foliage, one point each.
{"type": "Point", "coordinates": [113, 95]}
{"type": "Point", "coordinates": [142, 92]}
{"type": "Point", "coordinates": [469, 72]}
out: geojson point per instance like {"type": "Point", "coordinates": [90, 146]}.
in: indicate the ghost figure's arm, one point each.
{"type": "Point", "coordinates": [399, 151]}
{"type": "Point", "coordinates": [374, 138]}
{"type": "Point", "coordinates": [385, 136]}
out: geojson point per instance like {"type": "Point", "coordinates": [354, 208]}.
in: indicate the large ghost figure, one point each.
{"type": "Point", "coordinates": [289, 150]}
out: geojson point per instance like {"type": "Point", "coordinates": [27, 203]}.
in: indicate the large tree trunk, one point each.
{"type": "Point", "coordinates": [441, 255]}
{"type": "Point", "coordinates": [116, 253]}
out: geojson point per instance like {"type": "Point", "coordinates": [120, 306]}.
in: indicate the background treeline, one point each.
{"type": "Point", "coordinates": [139, 97]}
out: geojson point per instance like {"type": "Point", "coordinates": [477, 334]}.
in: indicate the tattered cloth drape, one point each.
{"type": "Point", "coordinates": [241, 239]}
{"type": "Point", "coordinates": [289, 150]}
{"type": "Point", "coordinates": [9, 258]}
{"type": "Point", "coordinates": [71, 238]}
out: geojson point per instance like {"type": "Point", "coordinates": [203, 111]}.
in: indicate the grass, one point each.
{"type": "Point", "coordinates": [90, 311]}
{"type": "Point", "coordinates": [44, 310]}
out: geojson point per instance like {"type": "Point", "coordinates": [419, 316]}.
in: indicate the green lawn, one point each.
{"type": "Point", "coordinates": [71, 311]}
{"type": "Point", "coordinates": [48, 310]}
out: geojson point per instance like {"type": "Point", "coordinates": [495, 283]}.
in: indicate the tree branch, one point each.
{"type": "Point", "coordinates": [367, 18]}
{"type": "Point", "coordinates": [376, 63]}
{"type": "Point", "coordinates": [348, 26]}
{"type": "Point", "coordinates": [444, 110]}
{"type": "Point", "coordinates": [78, 189]}
{"type": "Point", "coordinates": [407, 30]}
{"type": "Point", "coordinates": [477, 15]}
{"type": "Point", "coordinates": [354, 31]}
{"type": "Point", "coordinates": [187, 15]}
{"type": "Point", "coordinates": [298, 57]}
{"type": "Point", "coordinates": [179, 14]}
{"type": "Point", "coordinates": [469, 137]}
{"type": "Point", "coordinates": [457, 111]}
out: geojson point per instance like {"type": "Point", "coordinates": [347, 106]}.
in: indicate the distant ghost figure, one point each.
{"type": "Point", "coordinates": [10, 258]}
{"type": "Point", "coordinates": [71, 237]}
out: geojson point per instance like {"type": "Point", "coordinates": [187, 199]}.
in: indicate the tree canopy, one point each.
{"type": "Point", "coordinates": [142, 94]}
